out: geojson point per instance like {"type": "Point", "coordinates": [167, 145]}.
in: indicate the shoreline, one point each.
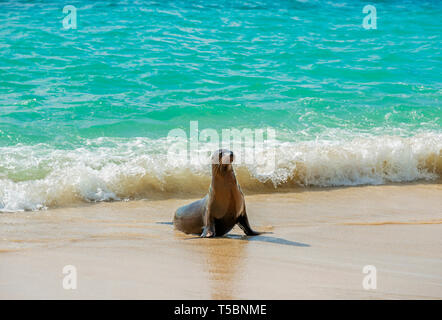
{"type": "Point", "coordinates": [315, 247]}
{"type": "Point", "coordinates": [165, 196]}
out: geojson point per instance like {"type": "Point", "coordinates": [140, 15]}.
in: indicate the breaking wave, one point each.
{"type": "Point", "coordinates": [105, 169]}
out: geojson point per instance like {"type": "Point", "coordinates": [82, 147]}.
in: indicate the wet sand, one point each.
{"type": "Point", "coordinates": [316, 245]}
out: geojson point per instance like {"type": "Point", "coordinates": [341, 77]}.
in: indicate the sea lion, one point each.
{"type": "Point", "coordinates": [222, 208]}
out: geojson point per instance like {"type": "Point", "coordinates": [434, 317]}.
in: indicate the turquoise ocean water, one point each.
{"type": "Point", "coordinates": [85, 112]}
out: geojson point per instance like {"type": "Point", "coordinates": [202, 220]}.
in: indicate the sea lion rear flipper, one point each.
{"type": "Point", "coordinates": [243, 223]}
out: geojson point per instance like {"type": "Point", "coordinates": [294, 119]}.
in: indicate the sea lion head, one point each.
{"type": "Point", "coordinates": [222, 160]}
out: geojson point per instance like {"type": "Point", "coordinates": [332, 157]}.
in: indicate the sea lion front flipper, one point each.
{"type": "Point", "coordinates": [243, 223]}
{"type": "Point", "coordinates": [208, 232]}
{"type": "Point", "coordinates": [209, 224]}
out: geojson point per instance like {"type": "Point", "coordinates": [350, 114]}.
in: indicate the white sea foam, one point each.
{"type": "Point", "coordinates": [39, 176]}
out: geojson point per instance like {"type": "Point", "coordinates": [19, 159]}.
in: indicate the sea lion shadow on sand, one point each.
{"type": "Point", "coordinates": [269, 240]}
{"type": "Point", "coordinates": [261, 238]}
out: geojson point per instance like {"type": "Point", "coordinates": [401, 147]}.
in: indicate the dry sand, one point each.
{"type": "Point", "coordinates": [317, 245]}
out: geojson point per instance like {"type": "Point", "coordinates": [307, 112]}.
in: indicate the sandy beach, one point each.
{"type": "Point", "coordinates": [316, 245]}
